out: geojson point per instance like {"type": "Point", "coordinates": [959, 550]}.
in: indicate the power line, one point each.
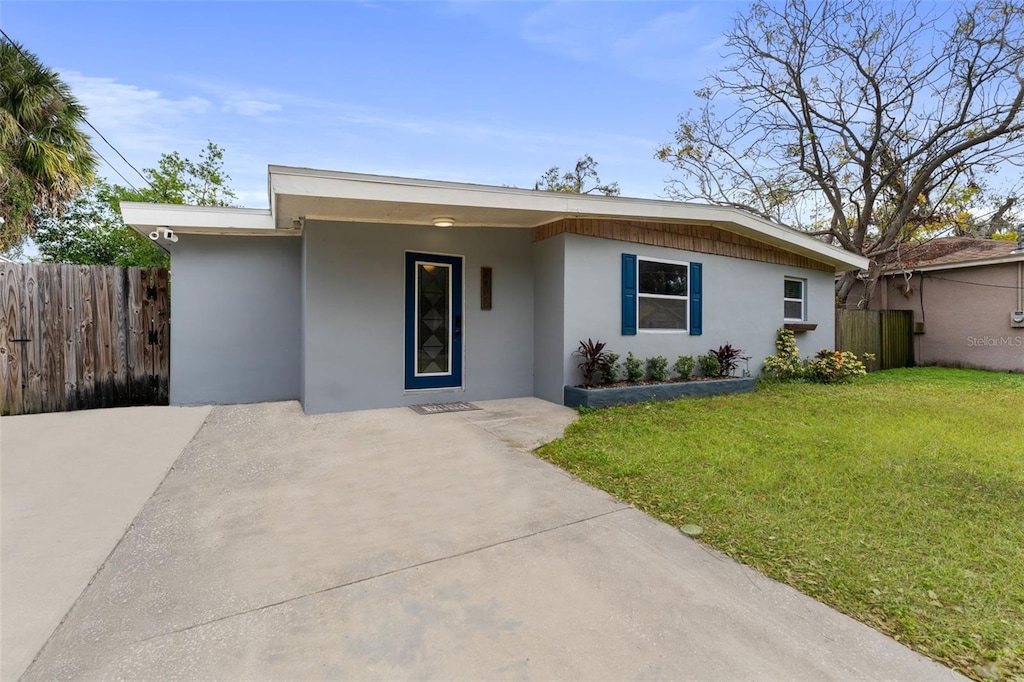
{"type": "Point", "coordinates": [144, 178]}
{"type": "Point", "coordinates": [127, 181]}
{"type": "Point", "coordinates": [94, 129]}
{"type": "Point", "coordinates": [977, 284]}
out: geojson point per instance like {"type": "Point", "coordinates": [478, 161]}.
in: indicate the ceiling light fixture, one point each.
{"type": "Point", "coordinates": [444, 222]}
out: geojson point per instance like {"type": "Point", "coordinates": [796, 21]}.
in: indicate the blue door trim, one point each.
{"type": "Point", "coordinates": [455, 323]}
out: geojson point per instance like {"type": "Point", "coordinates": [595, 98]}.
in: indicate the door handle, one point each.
{"type": "Point", "coordinates": [458, 325]}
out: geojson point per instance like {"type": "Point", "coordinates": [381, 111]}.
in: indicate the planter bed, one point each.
{"type": "Point", "coordinates": [574, 396]}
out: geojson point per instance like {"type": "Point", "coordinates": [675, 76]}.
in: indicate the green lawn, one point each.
{"type": "Point", "coordinates": [898, 499]}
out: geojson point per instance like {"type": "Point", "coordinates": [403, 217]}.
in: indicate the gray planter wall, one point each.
{"type": "Point", "coordinates": [629, 395]}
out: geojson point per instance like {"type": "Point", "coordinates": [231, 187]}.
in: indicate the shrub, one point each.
{"type": "Point", "coordinates": [786, 365]}
{"type": "Point", "coordinates": [683, 366]}
{"type": "Point", "coordinates": [593, 357]}
{"type": "Point", "coordinates": [728, 357]}
{"type": "Point", "coordinates": [835, 367]}
{"type": "Point", "coordinates": [657, 368]}
{"type": "Point", "coordinates": [827, 367]}
{"type": "Point", "coordinates": [610, 368]}
{"type": "Point", "coordinates": [634, 368]}
{"type": "Point", "coordinates": [709, 365]}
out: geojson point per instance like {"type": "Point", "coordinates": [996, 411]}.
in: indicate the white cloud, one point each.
{"type": "Point", "coordinates": [245, 121]}
{"type": "Point", "coordinates": [140, 122]}
{"type": "Point", "coordinates": [115, 105]}
{"type": "Point", "coordinates": [670, 47]}
{"type": "Point", "coordinates": [243, 99]}
{"type": "Point", "coordinates": [249, 107]}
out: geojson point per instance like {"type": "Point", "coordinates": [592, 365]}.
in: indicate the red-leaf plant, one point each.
{"type": "Point", "coordinates": [594, 356]}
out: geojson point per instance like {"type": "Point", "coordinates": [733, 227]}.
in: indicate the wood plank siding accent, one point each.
{"type": "Point", "coordinates": [695, 238]}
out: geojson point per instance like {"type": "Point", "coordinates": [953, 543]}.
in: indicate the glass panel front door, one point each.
{"type": "Point", "coordinates": [433, 326]}
{"type": "Point", "coordinates": [433, 319]}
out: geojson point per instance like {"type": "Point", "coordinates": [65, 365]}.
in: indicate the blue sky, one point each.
{"type": "Point", "coordinates": [476, 91]}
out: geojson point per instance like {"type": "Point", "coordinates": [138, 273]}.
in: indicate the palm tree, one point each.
{"type": "Point", "coordinates": [45, 158]}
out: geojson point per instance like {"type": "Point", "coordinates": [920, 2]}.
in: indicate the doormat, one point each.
{"type": "Point", "coordinates": [440, 408]}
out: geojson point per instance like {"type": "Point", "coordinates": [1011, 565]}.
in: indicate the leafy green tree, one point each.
{"type": "Point", "coordinates": [91, 232]}
{"type": "Point", "coordinates": [45, 157]}
{"type": "Point", "coordinates": [582, 179]}
{"type": "Point", "coordinates": [179, 180]}
{"type": "Point", "coordinates": [855, 119]}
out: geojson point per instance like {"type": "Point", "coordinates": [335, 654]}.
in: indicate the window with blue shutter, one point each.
{"type": "Point", "coordinates": [696, 299]}
{"type": "Point", "coordinates": [661, 295]}
{"type": "Point", "coordinates": [628, 294]}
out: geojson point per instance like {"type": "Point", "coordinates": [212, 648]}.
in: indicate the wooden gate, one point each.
{"type": "Point", "coordinates": [888, 334]}
{"type": "Point", "coordinates": [74, 337]}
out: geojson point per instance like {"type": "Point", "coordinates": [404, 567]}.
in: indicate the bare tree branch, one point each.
{"type": "Point", "coordinates": [861, 121]}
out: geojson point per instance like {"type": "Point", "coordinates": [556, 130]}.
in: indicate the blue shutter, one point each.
{"type": "Point", "coordinates": [628, 294]}
{"type": "Point", "coordinates": [696, 299]}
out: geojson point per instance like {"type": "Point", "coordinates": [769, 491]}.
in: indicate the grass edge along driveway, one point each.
{"type": "Point", "coordinates": [898, 500]}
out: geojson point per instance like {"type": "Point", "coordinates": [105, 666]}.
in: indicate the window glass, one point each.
{"type": "Point", "coordinates": [662, 278]}
{"type": "Point", "coordinates": [663, 313]}
{"type": "Point", "coordinates": [793, 299]}
{"type": "Point", "coordinates": [662, 295]}
{"type": "Point", "coordinates": [433, 290]}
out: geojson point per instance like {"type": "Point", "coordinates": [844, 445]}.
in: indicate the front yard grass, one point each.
{"type": "Point", "coordinates": [898, 500]}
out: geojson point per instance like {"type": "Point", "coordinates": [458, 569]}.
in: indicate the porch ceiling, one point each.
{"type": "Point", "coordinates": [290, 207]}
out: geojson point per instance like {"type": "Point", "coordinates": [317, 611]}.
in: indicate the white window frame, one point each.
{"type": "Point", "coordinates": [639, 295]}
{"type": "Point", "coordinates": [802, 300]}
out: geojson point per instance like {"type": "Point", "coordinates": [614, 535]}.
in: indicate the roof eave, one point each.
{"type": "Point", "coordinates": [146, 218]}
{"type": "Point", "coordinates": [545, 207]}
{"type": "Point", "coordinates": [1010, 258]}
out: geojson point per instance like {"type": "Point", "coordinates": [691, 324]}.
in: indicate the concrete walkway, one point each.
{"type": "Point", "coordinates": [387, 544]}
{"type": "Point", "coordinates": [70, 485]}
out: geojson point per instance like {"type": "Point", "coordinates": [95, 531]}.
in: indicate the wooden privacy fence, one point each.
{"type": "Point", "coordinates": [74, 337]}
{"type": "Point", "coordinates": [888, 334]}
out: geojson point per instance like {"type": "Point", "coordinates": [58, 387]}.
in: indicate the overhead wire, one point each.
{"type": "Point", "coordinates": [977, 284]}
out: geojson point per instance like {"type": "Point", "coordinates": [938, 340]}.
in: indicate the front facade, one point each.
{"type": "Point", "coordinates": [967, 296]}
{"type": "Point", "coordinates": [347, 295]}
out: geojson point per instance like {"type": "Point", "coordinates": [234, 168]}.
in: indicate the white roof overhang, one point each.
{"type": "Point", "coordinates": [301, 194]}
{"type": "Point", "coordinates": [147, 218]}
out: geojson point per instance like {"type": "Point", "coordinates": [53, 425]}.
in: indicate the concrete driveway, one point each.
{"type": "Point", "coordinates": [70, 485]}
{"type": "Point", "coordinates": [387, 544]}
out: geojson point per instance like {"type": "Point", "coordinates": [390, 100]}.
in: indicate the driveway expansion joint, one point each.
{"type": "Point", "coordinates": [385, 574]}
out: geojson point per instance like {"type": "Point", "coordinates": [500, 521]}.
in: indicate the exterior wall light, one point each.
{"type": "Point", "coordinates": [444, 222]}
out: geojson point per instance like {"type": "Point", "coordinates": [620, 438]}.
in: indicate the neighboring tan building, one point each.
{"type": "Point", "coordinates": [968, 301]}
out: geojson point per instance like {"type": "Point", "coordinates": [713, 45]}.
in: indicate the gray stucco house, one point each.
{"type": "Point", "coordinates": [358, 291]}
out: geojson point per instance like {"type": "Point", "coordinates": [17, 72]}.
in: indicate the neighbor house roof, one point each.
{"type": "Point", "coordinates": [952, 252]}
{"type": "Point", "coordinates": [300, 194]}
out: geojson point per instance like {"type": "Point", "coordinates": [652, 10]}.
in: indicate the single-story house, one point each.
{"type": "Point", "coordinates": [967, 296]}
{"type": "Point", "coordinates": [359, 291]}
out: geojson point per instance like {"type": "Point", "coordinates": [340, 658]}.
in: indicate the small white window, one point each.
{"type": "Point", "coordinates": [794, 299]}
{"type": "Point", "coordinates": [663, 295]}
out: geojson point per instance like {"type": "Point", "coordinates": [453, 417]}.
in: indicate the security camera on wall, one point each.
{"type": "Point", "coordinates": [164, 233]}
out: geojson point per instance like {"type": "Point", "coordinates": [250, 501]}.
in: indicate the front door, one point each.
{"type": "Point", "coordinates": [433, 321]}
